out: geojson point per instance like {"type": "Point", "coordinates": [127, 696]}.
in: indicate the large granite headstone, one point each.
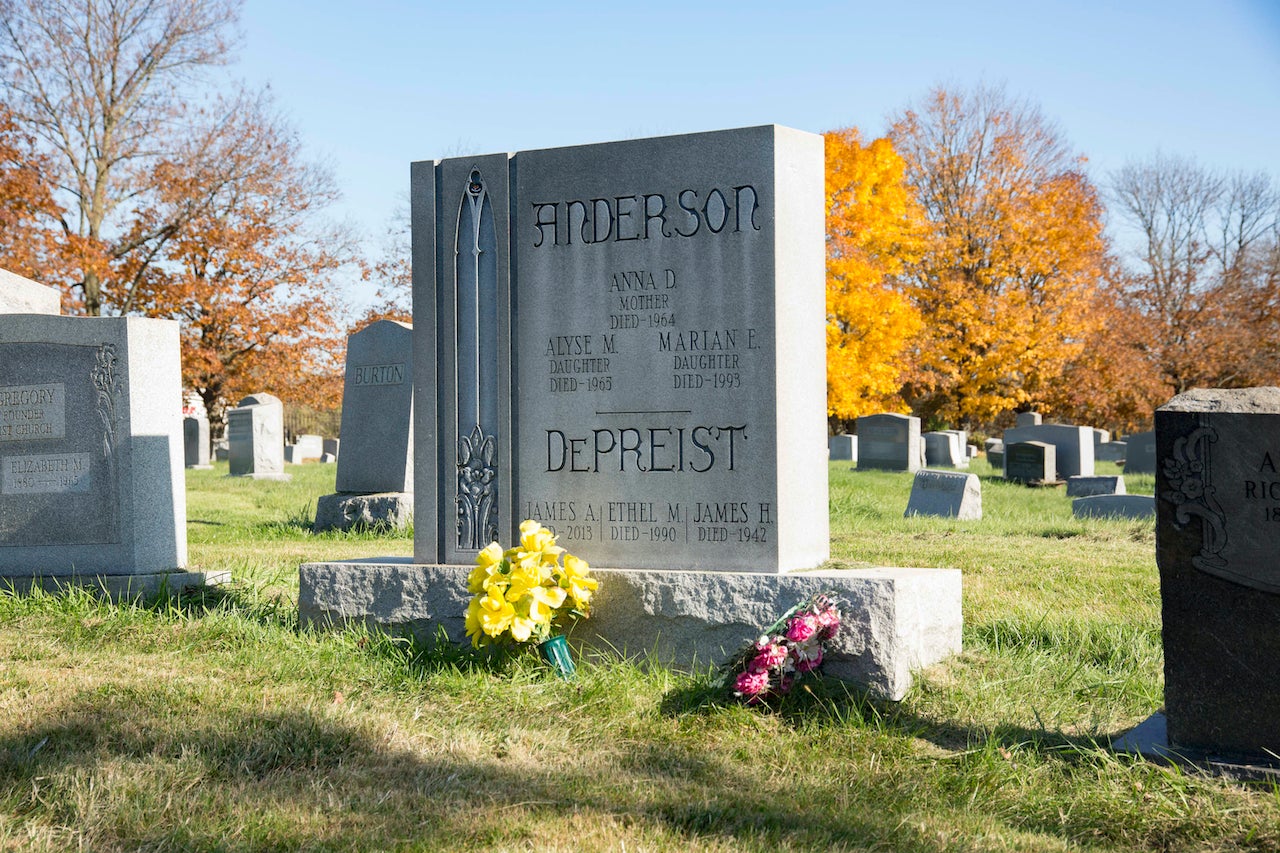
{"type": "Point", "coordinates": [91, 453]}
{"type": "Point", "coordinates": [195, 442]}
{"type": "Point", "coordinates": [255, 438]}
{"type": "Point", "coordinates": [1029, 462]}
{"type": "Point", "coordinates": [890, 442]}
{"type": "Point", "coordinates": [625, 342]}
{"type": "Point", "coordinates": [19, 295]}
{"type": "Point", "coordinates": [1217, 540]}
{"type": "Point", "coordinates": [945, 493]}
{"type": "Point", "coordinates": [1073, 445]}
{"type": "Point", "coordinates": [1140, 453]}
{"type": "Point", "coordinates": [375, 470]}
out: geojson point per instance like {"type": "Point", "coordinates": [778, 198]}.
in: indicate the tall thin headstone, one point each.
{"type": "Point", "coordinates": [375, 471]}
{"type": "Point", "coordinates": [195, 442]}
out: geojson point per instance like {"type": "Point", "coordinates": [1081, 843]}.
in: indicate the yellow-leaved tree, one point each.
{"type": "Point", "coordinates": [1014, 260]}
{"type": "Point", "coordinates": [874, 228]}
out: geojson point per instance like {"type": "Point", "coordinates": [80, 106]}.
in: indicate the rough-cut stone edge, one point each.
{"type": "Point", "coordinates": [897, 621]}
{"type": "Point", "coordinates": [381, 510]}
{"type": "Point", "coordinates": [1263, 400]}
{"type": "Point", "coordinates": [119, 588]}
{"type": "Point", "coordinates": [21, 295]}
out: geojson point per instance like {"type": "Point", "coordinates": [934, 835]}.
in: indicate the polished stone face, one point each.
{"type": "Point", "coordinates": [1217, 537]}
{"type": "Point", "coordinates": [90, 446]}
{"type": "Point", "coordinates": [890, 442]}
{"type": "Point", "coordinates": [1025, 461]}
{"type": "Point", "coordinates": [945, 493]}
{"type": "Point", "coordinates": [630, 341]}
{"type": "Point", "coordinates": [1073, 446]}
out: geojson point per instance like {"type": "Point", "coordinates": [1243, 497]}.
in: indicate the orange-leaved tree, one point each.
{"type": "Point", "coordinates": [250, 274]}
{"type": "Point", "coordinates": [874, 228]}
{"type": "Point", "coordinates": [26, 202]}
{"type": "Point", "coordinates": [1014, 258]}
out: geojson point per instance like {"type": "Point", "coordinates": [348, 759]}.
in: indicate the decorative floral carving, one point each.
{"type": "Point", "coordinates": [1190, 489]}
{"type": "Point", "coordinates": [108, 388]}
{"type": "Point", "coordinates": [477, 490]}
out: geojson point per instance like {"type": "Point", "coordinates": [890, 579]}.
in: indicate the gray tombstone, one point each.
{"type": "Point", "coordinates": [1100, 436]}
{"type": "Point", "coordinates": [19, 295]}
{"type": "Point", "coordinates": [994, 448]}
{"type": "Point", "coordinates": [305, 448]}
{"type": "Point", "coordinates": [1140, 453]}
{"type": "Point", "coordinates": [1073, 445]}
{"type": "Point", "coordinates": [945, 493]}
{"type": "Point", "coordinates": [1217, 537]}
{"type": "Point", "coordinates": [1083, 487]}
{"type": "Point", "coordinates": [91, 473]}
{"type": "Point", "coordinates": [1030, 462]}
{"type": "Point", "coordinates": [945, 448]}
{"type": "Point", "coordinates": [1027, 419]}
{"type": "Point", "coordinates": [890, 442]}
{"type": "Point", "coordinates": [255, 438]}
{"type": "Point", "coordinates": [659, 398]}
{"type": "Point", "coordinates": [843, 447]}
{"type": "Point", "coordinates": [1110, 451]}
{"type": "Point", "coordinates": [1114, 506]}
{"type": "Point", "coordinates": [375, 471]}
{"type": "Point", "coordinates": [195, 442]}
{"type": "Point", "coordinates": [331, 446]}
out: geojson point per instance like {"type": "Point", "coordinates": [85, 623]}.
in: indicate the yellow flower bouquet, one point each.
{"type": "Point", "coordinates": [527, 592]}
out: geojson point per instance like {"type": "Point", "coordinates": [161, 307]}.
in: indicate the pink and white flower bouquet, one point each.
{"type": "Point", "coordinates": [787, 650]}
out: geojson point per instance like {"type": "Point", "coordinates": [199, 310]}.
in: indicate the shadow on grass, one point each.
{"type": "Point", "coordinates": [103, 769]}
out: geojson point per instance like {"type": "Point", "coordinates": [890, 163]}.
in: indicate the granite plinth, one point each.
{"type": "Point", "coordinates": [1114, 506]}
{"type": "Point", "coordinates": [897, 620]}
{"type": "Point", "coordinates": [118, 588]}
{"type": "Point", "coordinates": [386, 511]}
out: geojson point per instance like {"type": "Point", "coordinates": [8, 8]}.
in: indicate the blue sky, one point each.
{"type": "Point", "coordinates": [372, 86]}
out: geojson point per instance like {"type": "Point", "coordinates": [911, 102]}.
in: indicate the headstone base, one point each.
{"type": "Point", "coordinates": [385, 510]}
{"type": "Point", "coordinates": [1114, 506]}
{"type": "Point", "coordinates": [1150, 739]}
{"type": "Point", "coordinates": [119, 588]}
{"type": "Point", "coordinates": [896, 621]}
{"type": "Point", "coordinates": [199, 467]}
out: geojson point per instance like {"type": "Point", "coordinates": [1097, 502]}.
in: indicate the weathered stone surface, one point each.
{"type": "Point", "coordinates": [377, 411]}
{"type": "Point", "coordinates": [897, 620]}
{"type": "Point", "coordinates": [386, 511]}
{"type": "Point", "coordinates": [119, 588]}
{"type": "Point", "coordinates": [843, 447]}
{"type": "Point", "coordinates": [19, 295]}
{"type": "Point", "coordinates": [1114, 506]}
{"type": "Point", "coordinates": [1027, 419]}
{"type": "Point", "coordinates": [1029, 461]}
{"type": "Point", "coordinates": [1073, 446]}
{"type": "Point", "coordinates": [1083, 487]}
{"type": "Point", "coordinates": [890, 442]}
{"type": "Point", "coordinates": [946, 493]}
{"type": "Point", "coordinates": [1140, 453]}
{"type": "Point", "coordinates": [91, 474]}
{"type": "Point", "coordinates": [1217, 540]}
{"type": "Point", "coordinates": [255, 438]}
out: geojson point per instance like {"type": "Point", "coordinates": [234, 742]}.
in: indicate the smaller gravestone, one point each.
{"type": "Point", "coordinates": [20, 295]}
{"type": "Point", "coordinates": [1030, 462]}
{"type": "Point", "coordinates": [221, 450]}
{"type": "Point", "coordinates": [842, 447]}
{"type": "Point", "coordinates": [949, 494]}
{"type": "Point", "coordinates": [945, 449]}
{"type": "Point", "coordinates": [331, 447]}
{"type": "Point", "coordinates": [972, 450]}
{"type": "Point", "coordinates": [1083, 487]}
{"type": "Point", "coordinates": [1110, 451]}
{"type": "Point", "coordinates": [1114, 506]}
{"type": "Point", "coordinates": [327, 458]}
{"type": "Point", "coordinates": [255, 438]}
{"type": "Point", "coordinates": [375, 470]}
{"type": "Point", "coordinates": [1073, 446]}
{"type": "Point", "coordinates": [1140, 453]}
{"type": "Point", "coordinates": [1026, 419]}
{"type": "Point", "coordinates": [890, 442]}
{"type": "Point", "coordinates": [195, 442]}
{"type": "Point", "coordinates": [1100, 436]}
{"type": "Point", "coordinates": [307, 448]}
{"type": "Point", "coordinates": [995, 453]}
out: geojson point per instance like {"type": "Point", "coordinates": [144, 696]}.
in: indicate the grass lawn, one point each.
{"type": "Point", "coordinates": [215, 724]}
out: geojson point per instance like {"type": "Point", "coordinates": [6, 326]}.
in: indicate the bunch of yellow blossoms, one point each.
{"type": "Point", "coordinates": [521, 590]}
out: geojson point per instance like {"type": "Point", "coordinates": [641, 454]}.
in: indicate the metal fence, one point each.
{"type": "Point", "coordinates": [304, 420]}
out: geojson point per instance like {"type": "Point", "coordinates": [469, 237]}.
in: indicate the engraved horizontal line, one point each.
{"type": "Point", "coordinates": [653, 412]}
